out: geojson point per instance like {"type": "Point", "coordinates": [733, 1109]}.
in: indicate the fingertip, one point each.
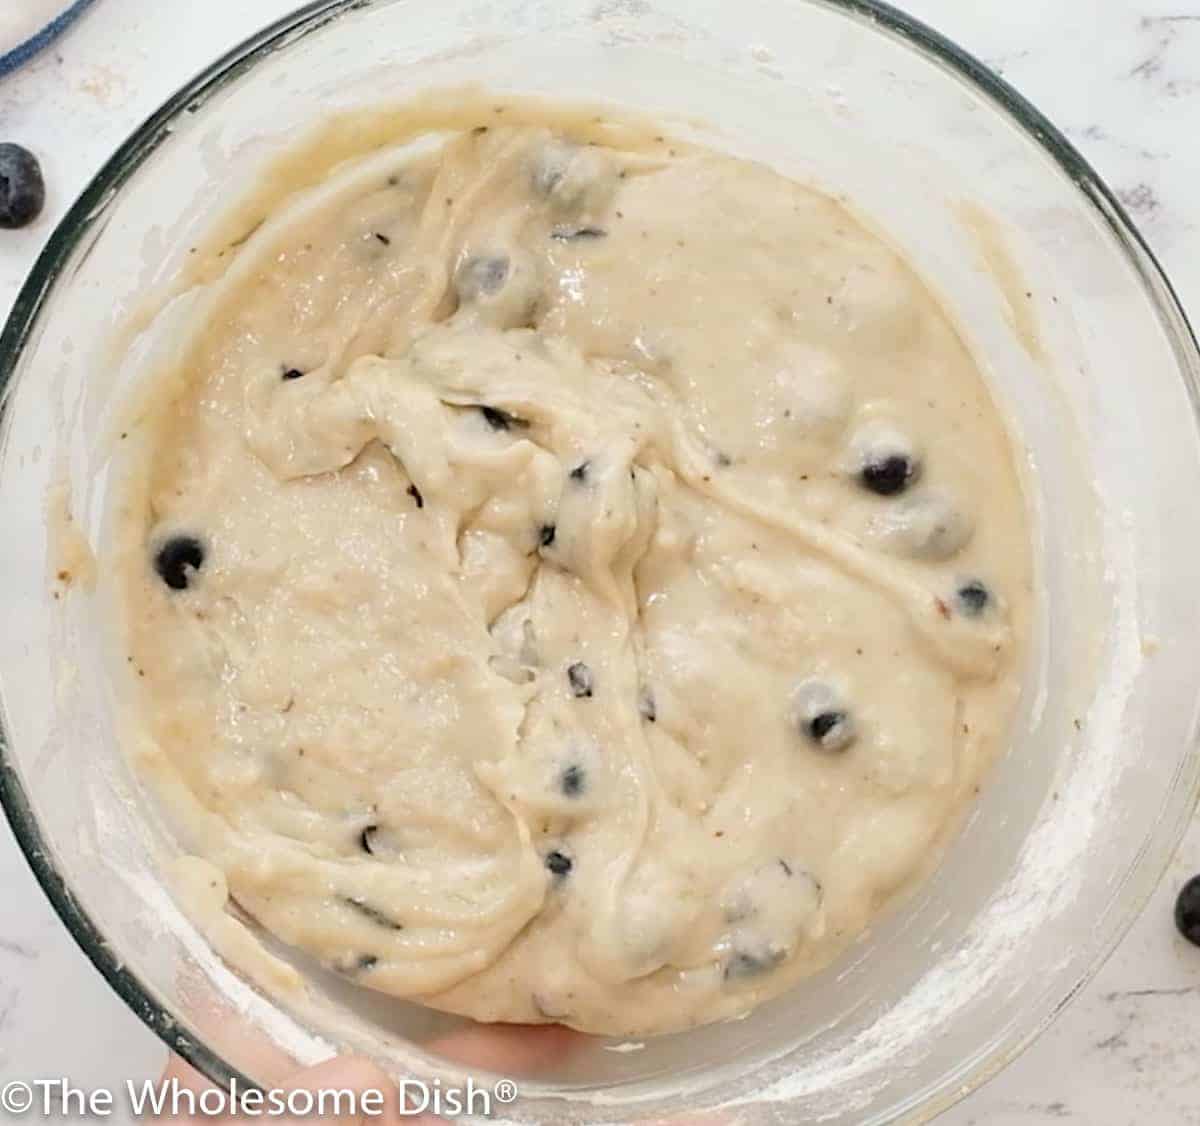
{"type": "Point", "coordinates": [356, 1073]}
{"type": "Point", "coordinates": [177, 1069]}
{"type": "Point", "coordinates": [509, 1049]}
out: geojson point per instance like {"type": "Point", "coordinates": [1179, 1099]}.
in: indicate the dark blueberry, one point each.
{"type": "Point", "coordinates": [415, 493]}
{"type": "Point", "coordinates": [580, 677]}
{"type": "Point", "coordinates": [1187, 911]}
{"type": "Point", "coordinates": [383, 239]}
{"type": "Point", "coordinates": [366, 837]}
{"type": "Point", "coordinates": [823, 716]}
{"type": "Point", "coordinates": [889, 476]}
{"type": "Point", "coordinates": [292, 373]}
{"type": "Point", "coordinates": [572, 781]}
{"type": "Point", "coordinates": [551, 167]}
{"type": "Point", "coordinates": [355, 963]}
{"type": "Point", "coordinates": [548, 179]}
{"type": "Point", "coordinates": [547, 535]}
{"type": "Point", "coordinates": [572, 234]}
{"type": "Point", "coordinates": [973, 598]}
{"type": "Point", "coordinates": [502, 420]}
{"type": "Point", "coordinates": [580, 472]}
{"type": "Point", "coordinates": [647, 706]}
{"type": "Point", "coordinates": [559, 863]}
{"type": "Point", "coordinates": [483, 276]}
{"type": "Point", "coordinates": [22, 189]}
{"type": "Point", "coordinates": [723, 460]}
{"type": "Point", "coordinates": [178, 559]}
{"type": "Point", "coordinates": [825, 723]}
{"type": "Point", "coordinates": [376, 916]}
{"type": "Point", "coordinates": [832, 731]}
{"type": "Point", "coordinates": [742, 964]}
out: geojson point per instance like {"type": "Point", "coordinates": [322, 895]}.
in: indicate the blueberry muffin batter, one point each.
{"type": "Point", "coordinates": [570, 577]}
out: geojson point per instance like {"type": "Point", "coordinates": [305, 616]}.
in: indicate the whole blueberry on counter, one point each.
{"type": "Point", "coordinates": [22, 189]}
{"type": "Point", "coordinates": [1187, 911]}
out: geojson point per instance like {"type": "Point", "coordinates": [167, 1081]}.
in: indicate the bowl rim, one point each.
{"type": "Point", "coordinates": [1148, 866]}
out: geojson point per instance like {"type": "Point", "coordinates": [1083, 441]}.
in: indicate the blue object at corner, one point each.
{"type": "Point", "coordinates": [23, 52]}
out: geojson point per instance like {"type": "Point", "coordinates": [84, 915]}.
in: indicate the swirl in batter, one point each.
{"type": "Point", "coordinates": [571, 580]}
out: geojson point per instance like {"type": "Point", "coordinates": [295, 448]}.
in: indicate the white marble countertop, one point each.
{"type": "Point", "coordinates": [1122, 77]}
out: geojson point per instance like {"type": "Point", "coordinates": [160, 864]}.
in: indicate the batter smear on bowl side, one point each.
{"type": "Point", "coordinates": [570, 579]}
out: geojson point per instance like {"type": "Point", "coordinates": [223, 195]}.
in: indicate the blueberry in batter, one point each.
{"type": "Point", "coordinates": [178, 561]}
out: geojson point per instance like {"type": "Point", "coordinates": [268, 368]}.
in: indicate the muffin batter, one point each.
{"type": "Point", "coordinates": [570, 580]}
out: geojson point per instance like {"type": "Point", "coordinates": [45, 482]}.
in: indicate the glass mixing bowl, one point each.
{"type": "Point", "coordinates": [1086, 348]}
